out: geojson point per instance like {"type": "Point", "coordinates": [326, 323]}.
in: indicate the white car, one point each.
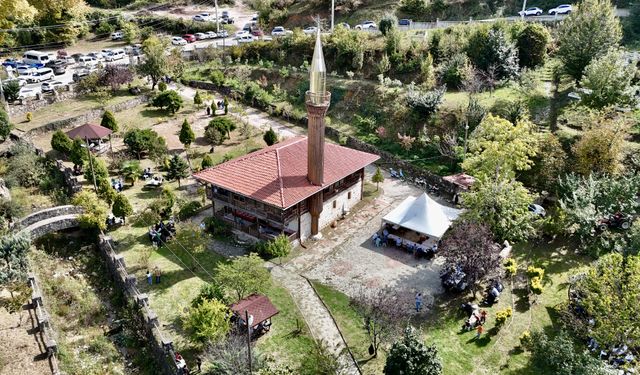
{"type": "Point", "coordinates": [366, 25]}
{"type": "Point", "coordinates": [118, 35]}
{"type": "Point", "coordinates": [280, 31]}
{"type": "Point", "coordinates": [241, 34]}
{"type": "Point", "coordinates": [561, 9]}
{"type": "Point", "coordinates": [201, 36]}
{"type": "Point", "coordinates": [87, 61]}
{"type": "Point", "coordinates": [115, 54]}
{"type": "Point", "coordinates": [246, 39]}
{"type": "Point", "coordinates": [99, 56]}
{"type": "Point", "coordinates": [50, 86]}
{"type": "Point", "coordinates": [178, 41]}
{"type": "Point", "coordinates": [43, 74]}
{"type": "Point", "coordinates": [209, 34]}
{"type": "Point", "coordinates": [222, 34]}
{"type": "Point", "coordinates": [202, 17]}
{"type": "Point", "coordinates": [25, 70]}
{"type": "Point", "coordinates": [310, 30]}
{"type": "Point", "coordinates": [535, 11]}
{"type": "Point", "coordinates": [28, 93]}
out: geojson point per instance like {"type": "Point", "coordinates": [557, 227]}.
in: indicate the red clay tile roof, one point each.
{"type": "Point", "coordinates": [89, 131]}
{"type": "Point", "coordinates": [257, 305]}
{"type": "Point", "coordinates": [277, 175]}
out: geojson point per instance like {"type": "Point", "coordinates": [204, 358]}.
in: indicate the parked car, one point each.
{"type": "Point", "coordinates": [257, 32]}
{"type": "Point", "coordinates": [118, 35]}
{"type": "Point", "coordinates": [225, 14]}
{"type": "Point", "coordinates": [200, 36]}
{"type": "Point", "coordinates": [310, 30]}
{"type": "Point", "coordinates": [404, 22]}
{"type": "Point", "coordinates": [222, 34]}
{"type": "Point", "coordinates": [58, 66]}
{"type": "Point", "coordinates": [99, 56]}
{"type": "Point", "coordinates": [534, 11]}
{"type": "Point", "coordinates": [77, 76]}
{"type": "Point", "coordinates": [254, 18]}
{"type": "Point", "coordinates": [178, 41]}
{"type": "Point", "coordinates": [227, 20]}
{"type": "Point", "coordinates": [116, 54]}
{"type": "Point", "coordinates": [51, 86]}
{"type": "Point", "coordinates": [11, 63]}
{"type": "Point", "coordinates": [190, 38]}
{"type": "Point", "coordinates": [43, 74]}
{"type": "Point", "coordinates": [202, 17]}
{"type": "Point", "coordinates": [280, 31]}
{"type": "Point", "coordinates": [247, 27]}
{"type": "Point", "coordinates": [68, 60]}
{"type": "Point", "coordinates": [88, 61]}
{"type": "Point", "coordinates": [76, 56]}
{"type": "Point", "coordinates": [26, 93]}
{"type": "Point", "coordinates": [248, 38]}
{"type": "Point", "coordinates": [366, 25]}
{"type": "Point", "coordinates": [25, 70]}
{"type": "Point", "coordinates": [561, 9]}
{"type": "Point", "coordinates": [345, 25]}
{"type": "Point", "coordinates": [240, 34]}
{"type": "Point", "coordinates": [210, 35]}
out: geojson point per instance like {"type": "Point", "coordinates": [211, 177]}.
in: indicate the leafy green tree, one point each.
{"type": "Point", "coordinates": [588, 32]}
{"type": "Point", "coordinates": [278, 247]}
{"type": "Point", "coordinates": [186, 136]}
{"type": "Point", "coordinates": [131, 171]}
{"type": "Point", "coordinates": [455, 70]}
{"type": "Point", "coordinates": [243, 276]}
{"type": "Point", "coordinates": [14, 264]}
{"type": "Point", "coordinates": [490, 51]}
{"type": "Point", "coordinates": [121, 206]}
{"type": "Point", "coordinates": [270, 137]}
{"type": "Point", "coordinates": [145, 141]}
{"type": "Point", "coordinates": [549, 163]}
{"type": "Point", "coordinates": [61, 142]}
{"type": "Point", "coordinates": [5, 124]}
{"type": "Point", "coordinates": [95, 211]}
{"type": "Point", "coordinates": [208, 321]}
{"type": "Point", "coordinates": [209, 291]}
{"type": "Point", "coordinates": [532, 43]}
{"type": "Point", "coordinates": [197, 99]}
{"type": "Point", "coordinates": [109, 121]}
{"type": "Point", "coordinates": [503, 205]}
{"type": "Point", "coordinates": [608, 79]}
{"type": "Point", "coordinates": [11, 90]}
{"type": "Point", "coordinates": [499, 148]}
{"type": "Point", "coordinates": [106, 192]}
{"type": "Point", "coordinates": [388, 22]}
{"type": "Point", "coordinates": [558, 355]}
{"type": "Point", "coordinates": [428, 72]}
{"type": "Point", "coordinates": [224, 124]}
{"type": "Point", "coordinates": [378, 177]}
{"type": "Point", "coordinates": [207, 162]}
{"type": "Point", "coordinates": [169, 99]}
{"type": "Point", "coordinates": [162, 86]}
{"type": "Point", "coordinates": [601, 148]}
{"type": "Point", "coordinates": [410, 356]}
{"type": "Point", "coordinates": [214, 136]}
{"type": "Point", "coordinates": [131, 32]}
{"type": "Point", "coordinates": [78, 152]}
{"type": "Point", "coordinates": [25, 167]}
{"type": "Point", "coordinates": [178, 169]}
{"type": "Point", "coordinates": [155, 64]}
{"type": "Point", "coordinates": [98, 171]}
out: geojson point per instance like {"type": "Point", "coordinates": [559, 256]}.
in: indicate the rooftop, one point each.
{"type": "Point", "coordinates": [277, 175]}
{"type": "Point", "coordinates": [257, 305]}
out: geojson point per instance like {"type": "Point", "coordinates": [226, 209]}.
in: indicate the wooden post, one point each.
{"type": "Point", "coordinates": [246, 317]}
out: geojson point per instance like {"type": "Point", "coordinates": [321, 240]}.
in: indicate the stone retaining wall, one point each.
{"type": "Point", "coordinates": [71, 180]}
{"type": "Point", "coordinates": [160, 344]}
{"type": "Point", "coordinates": [21, 107]}
{"type": "Point", "coordinates": [87, 116]}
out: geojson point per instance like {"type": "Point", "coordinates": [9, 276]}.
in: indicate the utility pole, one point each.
{"type": "Point", "coordinates": [246, 319]}
{"type": "Point", "coordinates": [217, 21]}
{"type": "Point", "coordinates": [93, 172]}
{"type": "Point", "coordinates": [333, 13]}
{"type": "Point", "coordinates": [524, 6]}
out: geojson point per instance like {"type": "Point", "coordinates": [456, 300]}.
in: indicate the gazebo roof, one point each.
{"type": "Point", "coordinates": [257, 305]}
{"type": "Point", "coordinates": [89, 131]}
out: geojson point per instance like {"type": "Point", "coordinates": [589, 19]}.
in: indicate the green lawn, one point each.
{"type": "Point", "coordinates": [497, 351]}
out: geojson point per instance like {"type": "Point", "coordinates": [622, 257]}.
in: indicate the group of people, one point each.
{"type": "Point", "coordinates": [147, 174]}
{"type": "Point", "coordinates": [219, 106]}
{"type": "Point", "coordinates": [161, 232]}
{"type": "Point", "coordinates": [112, 220]}
{"type": "Point", "coordinates": [157, 273]}
{"type": "Point", "coordinates": [117, 184]}
{"type": "Point", "coordinates": [617, 356]}
{"type": "Point", "coordinates": [412, 247]}
{"type": "Point", "coordinates": [181, 364]}
{"type": "Point", "coordinates": [476, 319]}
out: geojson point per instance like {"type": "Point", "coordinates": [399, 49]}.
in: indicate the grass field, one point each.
{"type": "Point", "coordinates": [498, 350]}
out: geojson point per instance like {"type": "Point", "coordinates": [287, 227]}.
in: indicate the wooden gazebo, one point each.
{"type": "Point", "coordinates": [258, 309]}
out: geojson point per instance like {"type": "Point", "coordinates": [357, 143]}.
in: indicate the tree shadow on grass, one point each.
{"type": "Point", "coordinates": [154, 113]}
{"type": "Point", "coordinates": [167, 280]}
{"type": "Point", "coordinates": [522, 303]}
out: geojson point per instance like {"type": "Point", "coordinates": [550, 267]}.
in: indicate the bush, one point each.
{"type": "Point", "coordinates": [217, 78]}
{"type": "Point", "coordinates": [503, 315]}
{"type": "Point", "coordinates": [455, 70]}
{"type": "Point", "coordinates": [535, 282]}
{"type": "Point", "coordinates": [207, 162]}
{"type": "Point", "coordinates": [270, 137]}
{"type": "Point", "coordinates": [209, 291]}
{"type": "Point", "coordinates": [170, 100]}
{"type": "Point", "coordinates": [162, 86]}
{"type": "Point", "coordinates": [208, 321]}
{"type": "Point", "coordinates": [29, 116]}
{"type": "Point", "coordinates": [510, 266]}
{"type": "Point", "coordinates": [525, 339]}
{"type": "Point", "coordinates": [535, 272]}
{"type": "Point", "coordinates": [189, 210]}
{"type": "Point", "coordinates": [61, 142]}
{"type": "Point", "coordinates": [217, 227]}
{"type": "Point", "coordinates": [146, 218]}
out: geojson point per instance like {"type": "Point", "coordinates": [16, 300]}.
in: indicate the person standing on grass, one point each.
{"type": "Point", "coordinates": [157, 272]}
{"type": "Point", "coordinates": [479, 331]}
{"type": "Point", "coordinates": [418, 301]}
{"type": "Point", "coordinates": [199, 364]}
{"type": "Point", "coordinates": [149, 278]}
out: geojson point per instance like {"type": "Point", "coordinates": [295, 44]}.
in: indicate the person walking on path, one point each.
{"type": "Point", "coordinates": [157, 272]}
{"type": "Point", "coordinates": [199, 364]}
{"type": "Point", "coordinates": [483, 316]}
{"type": "Point", "coordinates": [418, 301]}
{"type": "Point", "coordinates": [208, 110]}
{"type": "Point", "coordinates": [479, 331]}
{"type": "Point", "coordinates": [149, 278]}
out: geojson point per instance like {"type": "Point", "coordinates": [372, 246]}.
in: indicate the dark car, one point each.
{"type": "Point", "coordinates": [404, 22]}
{"type": "Point", "coordinates": [58, 66]}
{"type": "Point", "coordinates": [190, 38]}
{"type": "Point", "coordinates": [80, 74]}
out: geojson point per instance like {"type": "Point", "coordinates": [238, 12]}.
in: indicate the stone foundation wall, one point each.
{"type": "Point", "coordinates": [21, 107]}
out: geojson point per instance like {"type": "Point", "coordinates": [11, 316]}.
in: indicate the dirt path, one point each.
{"type": "Point", "coordinates": [22, 348]}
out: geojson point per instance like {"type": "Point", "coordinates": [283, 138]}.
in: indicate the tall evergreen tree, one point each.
{"type": "Point", "coordinates": [109, 121]}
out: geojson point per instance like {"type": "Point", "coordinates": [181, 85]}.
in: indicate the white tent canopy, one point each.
{"type": "Point", "coordinates": [423, 215]}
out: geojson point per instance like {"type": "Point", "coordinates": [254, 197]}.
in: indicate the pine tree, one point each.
{"type": "Point", "coordinates": [187, 136]}
{"type": "Point", "coordinates": [270, 137]}
{"type": "Point", "coordinates": [410, 356]}
{"type": "Point", "coordinates": [121, 206]}
{"type": "Point", "coordinates": [178, 169]}
{"type": "Point", "coordinates": [207, 162]}
{"type": "Point", "coordinates": [377, 178]}
{"type": "Point", "coordinates": [109, 121]}
{"type": "Point", "coordinates": [197, 100]}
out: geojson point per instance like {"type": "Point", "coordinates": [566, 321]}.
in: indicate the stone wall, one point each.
{"type": "Point", "coordinates": [70, 179]}
{"type": "Point", "coordinates": [160, 344]}
{"type": "Point", "coordinates": [21, 107]}
{"type": "Point", "coordinates": [87, 116]}
{"type": "Point", "coordinates": [48, 214]}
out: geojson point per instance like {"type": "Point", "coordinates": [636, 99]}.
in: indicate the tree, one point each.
{"type": "Point", "coordinates": [490, 51]}
{"type": "Point", "coordinates": [214, 136]}
{"type": "Point", "coordinates": [455, 71]}
{"type": "Point", "coordinates": [106, 192]}
{"type": "Point", "coordinates": [115, 76]}
{"type": "Point", "coordinates": [78, 152]}
{"type": "Point", "coordinates": [320, 360]}
{"type": "Point", "coordinates": [243, 275]}
{"type": "Point", "coordinates": [131, 171]}
{"type": "Point", "coordinates": [208, 321]}
{"type": "Point", "coordinates": [217, 78]}
{"type": "Point", "coordinates": [131, 32]}
{"type": "Point", "coordinates": [498, 148]}
{"type": "Point", "coordinates": [411, 356]}
{"type": "Point", "coordinates": [109, 121]}
{"type": "Point", "coordinates": [559, 356]}
{"type": "Point", "coordinates": [14, 264]}
{"type": "Point", "coordinates": [155, 65]}
{"type": "Point", "coordinates": [61, 142]}
{"type": "Point", "coordinates": [548, 164]}
{"type": "Point", "coordinates": [600, 148]}
{"type": "Point", "coordinates": [470, 246]}
{"type": "Point", "coordinates": [197, 99]}
{"type": "Point", "coordinates": [427, 72]}
{"type": "Point", "coordinates": [387, 23]}
{"type": "Point", "coordinates": [207, 162]}
{"type": "Point", "coordinates": [141, 141]}
{"type": "Point", "coordinates": [121, 206]}
{"type": "Point", "coordinates": [425, 104]}
{"type": "Point", "coordinates": [588, 32]}
{"type": "Point", "coordinates": [607, 80]}
{"type": "Point", "coordinates": [5, 124]}
{"type": "Point", "coordinates": [178, 169]}
{"type": "Point", "coordinates": [11, 90]}
{"type": "Point", "coordinates": [187, 136]}
{"type": "Point", "coordinates": [378, 177]}
{"type": "Point", "coordinates": [209, 291]}
{"type": "Point", "coordinates": [169, 99]}
{"type": "Point", "coordinates": [95, 211]}
{"type": "Point", "coordinates": [278, 247]}
{"type": "Point", "coordinates": [380, 313]}
{"type": "Point", "coordinates": [224, 124]}
{"type": "Point", "coordinates": [270, 137]}
{"type": "Point", "coordinates": [503, 205]}
{"type": "Point", "coordinates": [532, 43]}
{"type": "Point", "coordinates": [229, 357]}
{"type": "Point", "coordinates": [95, 168]}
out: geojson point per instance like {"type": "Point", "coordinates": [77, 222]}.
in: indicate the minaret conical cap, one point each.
{"type": "Point", "coordinates": [318, 71]}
